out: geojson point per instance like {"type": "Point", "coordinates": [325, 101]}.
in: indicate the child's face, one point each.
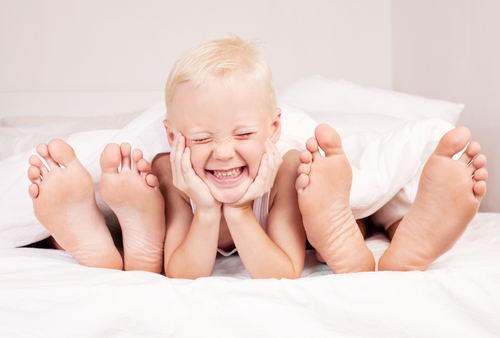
{"type": "Point", "coordinates": [226, 127]}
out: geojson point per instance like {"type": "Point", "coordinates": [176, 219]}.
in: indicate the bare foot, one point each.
{"type": "Point", "coordinates": [448, 197]}
{"type": "Point", "coordinates": [134, 196]}
{"type": "Point", "coordinates": [323, 187]}
{"type": "Point", "coordinates": [64, 203]}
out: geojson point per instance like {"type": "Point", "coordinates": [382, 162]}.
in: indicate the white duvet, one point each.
{"type": "Point", "coordinates": [386, 155]}
{"type": "Point", "coordinates": [46, 293]}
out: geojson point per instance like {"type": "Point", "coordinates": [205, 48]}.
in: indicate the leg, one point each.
{"type": "Point", "coordinates": [448, 197]}
{"type": "Point", "coordinates": [323, 187]}
{"type": "Point", "coordinates": [64, 203]}
{"type": "Point", "coordinates": [134, 195]}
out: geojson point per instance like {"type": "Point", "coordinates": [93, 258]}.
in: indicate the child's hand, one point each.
{"type": "Point", "coordinates": [184, 177]}
{"type": "Point", "coordinates": [264, 181]}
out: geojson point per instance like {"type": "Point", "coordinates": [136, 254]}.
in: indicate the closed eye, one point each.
{"type": "Point", "coordinates": [203, 140]}
{"type": "Point", "coordinates": [243, 136]}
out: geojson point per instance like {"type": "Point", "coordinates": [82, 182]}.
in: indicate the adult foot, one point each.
{"type": "Point", "coordinates": [448, 197]}
{"type": "Point", "coordinates": [64, 203]}
{"type": "Point", "coordinates": [323, 186]}
{"type": "Point", "coordinates": [133, 194]}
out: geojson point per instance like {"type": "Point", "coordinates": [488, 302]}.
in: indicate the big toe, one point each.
{"type": "Point", "coordinates": [329, 140]}
{"type": "Point", "coordinates": [110, 158]}
{"type": "Point", "coordinates": [61, 152]}
{"type": "Point", "coordinates": [453, 142]}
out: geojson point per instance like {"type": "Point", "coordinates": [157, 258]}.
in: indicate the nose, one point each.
{"type": "Point", "coordinates": [224, 151]}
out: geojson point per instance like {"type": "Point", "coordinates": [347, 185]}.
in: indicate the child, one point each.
{"type": "Point", "coordinates": [223, 184]}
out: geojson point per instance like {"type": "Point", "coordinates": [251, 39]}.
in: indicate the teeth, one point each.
{"type": "Point", "coordinates": [224, 174]}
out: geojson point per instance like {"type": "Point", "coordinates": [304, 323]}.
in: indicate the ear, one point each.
{"type": "Point", "coordinates": [275, 130]}
{"type": "Point", "coordinates": [170, 131]}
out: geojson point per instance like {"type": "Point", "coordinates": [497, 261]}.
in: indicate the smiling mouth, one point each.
{"type": "Point", "coordinates": [227, 173]}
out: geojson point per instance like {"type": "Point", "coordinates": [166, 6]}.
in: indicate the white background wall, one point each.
{"type": "Point", "coordinates": [51, 45]}
{"type": "Point", "coordinates": [450, 50]}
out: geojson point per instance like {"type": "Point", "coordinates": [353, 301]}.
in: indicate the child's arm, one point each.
{"type": "Point", "coordinates": [280, 252]}
{"type": "Point", "coordinates": [191, 240]}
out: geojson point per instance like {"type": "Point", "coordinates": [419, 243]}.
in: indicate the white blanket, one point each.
{"type": "Point", "coordinates": [386, 154]}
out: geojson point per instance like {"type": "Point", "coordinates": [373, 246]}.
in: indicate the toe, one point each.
{"type": "Point", "coordinates": [136, 157]}
{"type": "Point", "coordinates": [152, 180]}
{"type": "Point", "coordinates": [480, 189]}
{"type": "Point", "coordinates": [479, 161]}
{"type": "Point", "coordinates": [453, 142]}
{"type": "Point", "coordinates": [329, 140]}
{"type": "Point", "coordinates": [61, 152]}
{"type": "Point", "coordinates": [143, 166]}
{"type": "Point", "coordinates": [34, 174]}
{"type": "Point", "coordinates": [312, 146]}
{"type": "Point", "coordinates": [37, 162]}
{"type": "Point", "coordinates": [470, 152]}
{"type": "Point", "coordinates": [43, 150]}
{"type": "Point", "coordinates": [302, 182]}
{"type": "Point", "coordinates": [110, 158]}
{"type": "Point", "coordinates": [303, 169]}
{"type": "Point", "coordinates": [125, 152]}
{"type": "Point", "coordinates": [33, 190]}
{"type": "Point", "coordinates": [481, 174]}
{"type": "Point", "coordinates": [306, 156]}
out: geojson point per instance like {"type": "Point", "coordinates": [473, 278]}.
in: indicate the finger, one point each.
{"type": "Point", "coordinates": [175, 159]}
{"type": "Point", "coordinates": [261, 181]}
{"type": "Point", "coordinates": [187, 167]}
{"type": "Point", "coordinates": [273, 164]}
{"type": "Point", "coordinates": [277, 156]}
{"type": "Point", "coordinates": [270, 157]}
{"type": "Point", "coordinates": [174, 163]}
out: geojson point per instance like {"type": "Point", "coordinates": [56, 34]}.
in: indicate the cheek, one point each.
{"type": "Point", "coordinates": [255, 158]}
{"type": "Point", "coordinates": [198, 160]}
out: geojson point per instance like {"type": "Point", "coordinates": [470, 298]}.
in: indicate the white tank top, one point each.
{"type": "Point", "coordinates": [260, 209]}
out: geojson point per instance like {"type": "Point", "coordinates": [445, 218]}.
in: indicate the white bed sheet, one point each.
{"type": "Point", "coordinates": [46, 293]}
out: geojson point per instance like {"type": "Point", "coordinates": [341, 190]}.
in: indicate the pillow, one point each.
{"type": "Point", "coordinates": [19, 134]}
{"type": "Point", "coordinates": [317, 94]}
{"type": "Point", "coordinates": [117, 121]}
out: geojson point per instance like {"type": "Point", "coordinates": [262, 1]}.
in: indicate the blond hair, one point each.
{"type": "Point", "coordinates": [221, 60]}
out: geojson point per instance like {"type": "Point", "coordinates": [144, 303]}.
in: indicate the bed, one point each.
{"type": "Point", "coordinates": [46, 292]}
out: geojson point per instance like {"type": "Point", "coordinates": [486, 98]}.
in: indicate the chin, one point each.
{"type": "Point", "coordinates": [229, 196]}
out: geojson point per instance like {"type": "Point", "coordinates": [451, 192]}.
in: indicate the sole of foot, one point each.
{"type": "Point", "coordinates": [323, 186]}
{"type": "Point", "coordinates": [133, 193]}
{"type": "Point", "coordinates": [64, 203]}
{"type": "Point", "coordinates": [448, 197]}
